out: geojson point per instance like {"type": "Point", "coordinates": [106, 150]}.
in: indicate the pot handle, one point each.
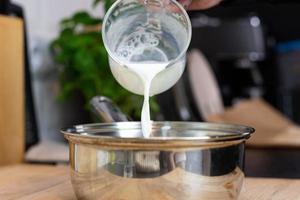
{"type": "Point", "coordinates": [106, 110]}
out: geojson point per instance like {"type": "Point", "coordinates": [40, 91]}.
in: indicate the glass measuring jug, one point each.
{"type": "Point", "coordinates": [147, 37]}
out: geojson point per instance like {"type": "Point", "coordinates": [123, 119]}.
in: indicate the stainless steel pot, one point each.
{"type": "Point", "coordinates": [179, 161]}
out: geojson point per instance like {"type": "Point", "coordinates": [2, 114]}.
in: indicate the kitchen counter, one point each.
{"type": "Point", "coordinates": [272, 128]}
{"type": "Point", "coordinates": [53, 182]}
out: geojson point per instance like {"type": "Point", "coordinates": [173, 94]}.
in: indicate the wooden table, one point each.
{"type": "Point", "coordinates": [273, 129]}
{"type": "Point", "coordinates": [53, 183]}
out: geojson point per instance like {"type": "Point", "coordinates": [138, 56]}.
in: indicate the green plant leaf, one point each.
{"type": "Point", "coordinates": [84, 18]}
{"type": "Point", "coordinates": [83, 64]}
{"type": "Point", "coordinates": [107, 4]}
{"type": "Point", "coordinates": [95, 3]}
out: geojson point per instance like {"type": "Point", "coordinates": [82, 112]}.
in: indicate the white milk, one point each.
{"type": "Point", "coordinates": [141, 64]}
{"type": "Point", "coordinates": [146, 72]}
{"type": "Point", "coordinates": [147, 79]}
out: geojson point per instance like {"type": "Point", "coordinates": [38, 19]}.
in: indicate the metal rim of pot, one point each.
{"type": "Point", "coordinates": [163, 135]}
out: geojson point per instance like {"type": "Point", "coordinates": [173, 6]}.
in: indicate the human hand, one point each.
{"type": "Point", "coordinates": [199, 4]}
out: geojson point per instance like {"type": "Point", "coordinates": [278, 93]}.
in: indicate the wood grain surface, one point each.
{"type": "Point", "coordinates": [11, 91]}
{"type": "Point", "coordinates": [273, 129]}
{"type": "Point", "coordinates": [37, 182]}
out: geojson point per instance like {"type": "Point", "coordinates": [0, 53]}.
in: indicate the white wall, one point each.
{"type": "Point", "coordinates": [43, 17]}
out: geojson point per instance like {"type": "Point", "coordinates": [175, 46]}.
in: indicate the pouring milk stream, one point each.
{"type": "Point", "coordinates": [146, 54]}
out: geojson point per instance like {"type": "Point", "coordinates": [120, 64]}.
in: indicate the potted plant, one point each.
{"type": "Point", "coordinates": [84, 67]}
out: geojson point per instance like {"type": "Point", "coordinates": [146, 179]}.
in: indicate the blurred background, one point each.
{"type": "Point", "coordinates": [243, 67]}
